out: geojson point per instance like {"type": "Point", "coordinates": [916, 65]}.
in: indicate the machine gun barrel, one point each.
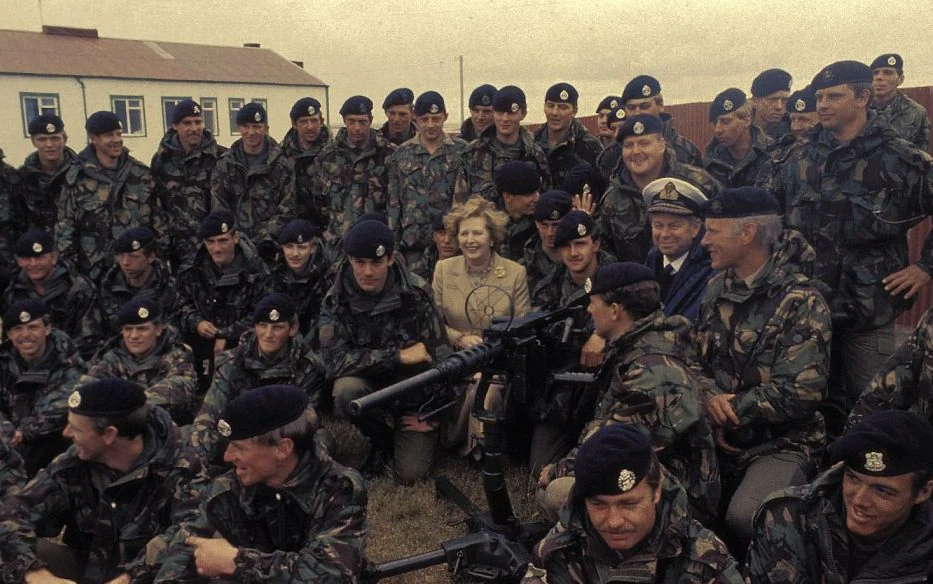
{"type": "Point", "coordinates": [450, 370]}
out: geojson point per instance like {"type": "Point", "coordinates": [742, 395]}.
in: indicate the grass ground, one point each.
{"type": "Point", "coordinates": [404, 521]}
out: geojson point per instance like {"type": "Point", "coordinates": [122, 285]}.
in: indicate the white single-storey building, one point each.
{"type": "Point", "coordinates": [73, 73]}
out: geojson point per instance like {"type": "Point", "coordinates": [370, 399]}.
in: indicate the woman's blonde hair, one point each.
{"type": "Point", "coordinates": [477, 206]}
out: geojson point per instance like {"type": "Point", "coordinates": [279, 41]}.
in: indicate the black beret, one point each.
{"type": "Point", "coordinates": [553, 205]}
{"type": "Point", "coordinates": [574, 225]}
{"type": "Point", "coordinates": [134, 239]}
{"type": "Point", "coordinates": [34, 243]}
{"type": "Point", "coordinates": [46, 124]}
{"type": "Point", "coordinates": [616, 275]}
{"type": "Point", "coordinates": [369, 239]}
{"type": "Point", "coordinates": [517, 178]}
{"type": "Point", "coordinates": [252, 113]}
{"type": "Point", "coordinates": [889, 60]}
{"type": "Point", "coordinates": [562, 93]}
{"type": "Point", "coordinates": [841, 72]}
{"type": "Point", "coordinates": [24, 312]}
{"type": "Point", "coordinates": [726, 102]}
{"type": "Point", "coordinates": [509, 99]}
{"type": "Point", "coordinates": [275, 307]}
{"type": "Point", "coordinates": [358, 105]}
{"type": "Point", "coordinates": [741, 202]}
{"type": "Point", "coordinates": [771, 80]}
{"type": "Point", "coordinates": [437, 222]}
{"type": "Point", "coordinates": [617, 114]}
{"type": "Point", "coordinates": [482, 95]}
{"type": "Point", "coordinates": [298, 231]}
{"type": "Point", "coordinates": [641, 87]}
{"type": "Point", "coordinates": [430, 102]}
{"type": "Point", "coordinates": [673, 196]}
{"type": "Point", "coordinates": [612, 461]}
{"type": "Point", "coordinates": [887, 443]}
{"type": "Point", "coordinates": [583, 174]}
{"type": "Point", "coordinates": [801, 101]}
{"type": "Point", "coordinates": [185, 108]}
{"type": "Point", "coordinates": [400, 96]}
{"type": "Point", "coordinates": [110, 397]}
{"type": "Point", "coordinates": [306, 106]}
{"type": "Point", "coordinates": [641, 125]}
{"type": "Point", "coordinates": [139, 310]}
{"type": "Point", "coordinates": [262, 410]}
{"type": "Point", "coordinates": [102, 123]}
{"type": "Point", "coordinates": [608, 102]}
{"type": "Point", "coordinates": [218, 222]}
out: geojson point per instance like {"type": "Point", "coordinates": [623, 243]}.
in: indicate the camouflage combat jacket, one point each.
{"type": "Point", "coordinates": [738, 173]}
{"type": "Point", "coordinates": [12, 215]}
{"type": "Point", "coordinates": [576, 147]}
{"type": "Point", "coordinates": [42, 190]}
{"type": "Point", "coordinates": [558, 289]}
{"type": "Point", "coordinates": [167, 372]}
{"type": "Point", "coordinates": [243, 368]}
{"type": "Point", "coordinates": [115, 291]}
{"type": "Point", "coordinates": [769, 345]}
{"type": "Point", "coordinates": [905, 382]}
{"type": "Point", "coordinates": [687, 152]}
{"type": "Point", "coordinates": [608, 162]}
{"type": "Point", "coordinates": [312, 528]}
{"type": "Point", "coordinates": [537, 263]}
{"type": "Point", "coordinates": [12, 474]}
{"type": "Point", "coordinates": [73, 301]}
{"type": "Point", "coordinates": [361, 335]}
{"type": "Point", "coordinates": [306, 288]}
{"type": "Point", "coordinates": [677, 551]}
{"type": "Point", "coordinates": [94, 211]}
{"type": "Point", "coordinates": [224, 297]}
{"type": "Point", "coordinates": [801, 537]}
{"type": "Point", "coordinates": [34, 396]}
{"type": "Point", "coordinates": [108, 516]}
{"type": "Point", "coordinates": [486, 155]}
{"type": "Point", "coordinates": [399, 140]}
{"type": "Point", "coordinates": [351, 182]}
{"type": "Point", "coordinates": [309, 205]}
{"type": "Point", "coordinates": [261, 197]}
{"type": "Point", "coordinates": [652, 363]}
{"type": "Point", "coordinates": [908, 119]}
{"type": "Point", "coordinates": [182, 183]}
{"type": "Point", "coordinates": [421, 187]}
{"type": "Point", "coordinates": [855, 203]}
{"type": "Point", "coordinates": [622, 215]}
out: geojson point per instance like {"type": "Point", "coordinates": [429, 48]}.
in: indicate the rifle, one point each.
{"type": "Point", "coordinates": [497, 546]}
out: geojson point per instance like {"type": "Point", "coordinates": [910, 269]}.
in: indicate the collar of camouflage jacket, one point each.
{"type": "Point", "coordinates": [655, 334]}
{"type": "Point", "coordinates": [300, 485]}
{"type": "Point", "coordinates": [292, 147]}
{"type": "Point", "coordinates": [788, 262]}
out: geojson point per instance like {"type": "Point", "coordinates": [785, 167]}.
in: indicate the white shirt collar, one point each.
{"type": "Point", "coordinates": [677, 262]}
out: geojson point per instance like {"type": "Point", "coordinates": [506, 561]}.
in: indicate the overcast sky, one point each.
{"type": "Point", "coordinates": [694, 48]}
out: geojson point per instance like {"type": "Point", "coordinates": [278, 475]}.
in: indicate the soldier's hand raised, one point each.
{"type": "Point", "coordinates": [908, 281]}
{"type": "Point", "coordinates": [593, 351]}
{"type": "Point", "coordinates": [213, 557]}
{"type": "Point", "coordinates": [43, 576]}
{"type": "Point", "coordinates": [415, 354]}
{"type": "Point", "coordinates": [207, 329]}
{"type": "Point", "coordinates": [720, 410]}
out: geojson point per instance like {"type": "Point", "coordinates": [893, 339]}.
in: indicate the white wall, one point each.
{"type": "Point", "coordinates": [97, 93]}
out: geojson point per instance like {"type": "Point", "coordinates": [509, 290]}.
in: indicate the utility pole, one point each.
{"type": "Point", "coordinates": [462, 114]}
{"type": "Point", "coordinates": [41, 19]}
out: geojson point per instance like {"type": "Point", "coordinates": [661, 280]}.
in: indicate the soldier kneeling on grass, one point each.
{"type": "Point", "coordinates": [285, 513]}
{"type": "Point", "coordinates": [627, 520]}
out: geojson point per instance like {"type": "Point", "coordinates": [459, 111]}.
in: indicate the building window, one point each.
{"type": "Point", "coordinates": [131, 113]}
{"type": "Point", "coordinates": [209, 110]}
{"type": "Point", "coordinates": [37, 104]}
{"type": "Point", "coordinates": [168, 109]}
{"type": "Point", "coordinates": [236, 104]}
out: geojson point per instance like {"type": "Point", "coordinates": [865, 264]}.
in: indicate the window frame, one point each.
{"type": "Point", "coordinates": [24, 95]}
{"type": "Point", "coordinates": [216, 129]}
{"type": "Point", "coordinates": [166, 123]}
{"type": "Point", "coordinates": [142, 109]}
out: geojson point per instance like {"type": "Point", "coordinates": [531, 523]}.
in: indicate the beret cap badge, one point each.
{"type": "Point", "coordinates": [620, 114]}
{"type": "Point", "coordinates": [50, 128]}
{"type": "Point", "coordinates": [581, 229]}
{"type": "Point", "coordinates": [626, 480]}
{"type": "Point", "coordinates": [143, 312]}
{"type": "Point", "coordinates": [224, 428]}
{"type": "Point", "coordinates": [638, 128]}
{"type": "Point", "coordinates": [301, 238]}
{"type": "Point", "coordinates": [727, 105]}
{"type": "Point", "coordinates": [564, 94]}
{"type": "Point", "coordinates": [362, 108]}
{"type": "Point", "coordinates": [25, 316]}
{"type": "Point", "coordinates": [380, 251]}
{"type": "Point", "coordinates": [614, 103]}
{"type": "Point", "coordinates": [257, 116]}
{"type": "Point", "coordinates": [135, 245]}
{"type": "Point", "coordinates": [645, 90]}
{"type": "Point", "coordinates": [874, 461]}
{"type": "Point", "coordinates": [800, 105]}
{"type": "Point", "coordinates": [588, 285]}
{"type": "Point", "coordinates": [74, 400]}
{"type": "Point", "coordinates": [273, 315]}
{"type": "Point", "coordinates": [828, 74]}
{"type": "Point", "coordinates": [515, 108]}
{"type": "Point", "coordinates": [196, 109]}
{"type": "Point", "coordinates": [37, 247]}
{"type": "Point", "coordinates": [434, 109]}
{"type": "Point", "coordinates": [224, 228]}
{"type": "Point", "coordinates": [312, 110]}
{"type": "Point", "coordinates": [485, 100]}
{"type": "Point", "coordinates": [892, 61]}
{"type": "Point", "coordinates": [555, 214]}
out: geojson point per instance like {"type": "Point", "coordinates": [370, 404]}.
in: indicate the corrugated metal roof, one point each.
{"type": "Point", "coordinates": [34, 53]}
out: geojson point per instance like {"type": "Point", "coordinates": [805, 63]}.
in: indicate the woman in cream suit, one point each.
{"type": "Point", "coordinates": [480, 229]}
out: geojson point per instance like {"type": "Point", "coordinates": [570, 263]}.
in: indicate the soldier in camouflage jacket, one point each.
{"type": "Point", "coordinates": [12, 471]}
{"type": "Point", "coordinates": [577, 146]}
{"type": "Point", "coordinates": [182, 185]}
{"type": "Point", "coordinates": [305, 279]}
{"type": "Point", "coordinates": [309, 205]}
{"type": "Point", "coordinates": [109, 514]}
{"type": "Point", "coordinates": [307, 525]}
{"type": "Point", "coordinates": [98, 204]}
{"type": "Point", "coordinates": [12, 216]}
{"type": "Point", "coordinates": [485, 156]}
{"type": "Point", "coordinates": [718, 162]}
{"type": "Point", "coordinates": [261, 196]}
{"type": "Point", "coordinates": [42, 190]}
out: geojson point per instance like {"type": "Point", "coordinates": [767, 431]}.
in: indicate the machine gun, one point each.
{"type": "Point", "coordinates": [517, 353]}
